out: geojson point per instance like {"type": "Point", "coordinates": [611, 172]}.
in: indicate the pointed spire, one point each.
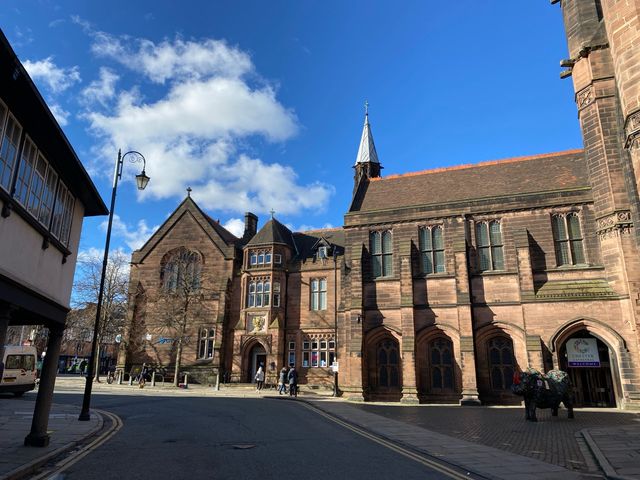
{"type": "Point", "coordinates": [367, 150]}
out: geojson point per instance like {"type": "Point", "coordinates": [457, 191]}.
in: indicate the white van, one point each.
{"type": "Point", "coordinates": [19, 374]}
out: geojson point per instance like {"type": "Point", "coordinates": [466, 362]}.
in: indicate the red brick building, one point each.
{"type": "Point", "coordinates": [441, 283]}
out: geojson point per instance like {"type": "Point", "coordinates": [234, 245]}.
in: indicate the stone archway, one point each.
{"type": "Point", "coordinates": [438, 372]}
{"type": "Point", "coordinates": [597, 383]}
{"type": "Point", "coordinates": [384, 367]}
{"type": "Point", "coordinates": [254, 353]}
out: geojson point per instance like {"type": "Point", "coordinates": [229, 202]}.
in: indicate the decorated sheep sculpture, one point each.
{"type": "Point", "coordinates": [543, 391]}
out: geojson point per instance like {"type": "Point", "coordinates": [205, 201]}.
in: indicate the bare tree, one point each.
{"type": "Point", "coordinates": [114, 298]}
{"type": "Point", "coordinates": [181, 299]}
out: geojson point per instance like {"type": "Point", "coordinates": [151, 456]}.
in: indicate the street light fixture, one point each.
{"type": "Point", "coordinates": [141, 182]}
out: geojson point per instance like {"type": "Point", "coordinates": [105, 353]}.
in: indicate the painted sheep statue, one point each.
{"type": "Point", "coordinates": [543, 391]}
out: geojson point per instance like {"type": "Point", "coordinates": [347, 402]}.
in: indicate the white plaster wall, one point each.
{"type": "Point", "coordinates": [22, 258]}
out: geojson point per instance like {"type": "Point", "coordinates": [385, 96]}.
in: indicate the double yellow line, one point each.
{"type": "Point", "coordinates": [62, 465]}
{"type": "Point", "coordinates": [444, 469]}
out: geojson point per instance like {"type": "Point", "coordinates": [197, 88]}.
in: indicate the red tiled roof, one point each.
{"type": "Point", "coordinates": [515, 176]}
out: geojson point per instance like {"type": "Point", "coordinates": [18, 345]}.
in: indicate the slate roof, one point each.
{"type": "Point", "coordinates": [273, 232]}
{"type": "Point", "coordinates": [306, 241]}
{"type": "Point", "coordinates": [226, 235]}
{"type": "Point", "coordinates": [523, 175]}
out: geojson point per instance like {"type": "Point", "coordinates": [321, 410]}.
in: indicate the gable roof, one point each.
{"type": "Point", "coordinates": [273, 232]}
{"type": "Point", "coordinates": [219, 235]}
{"type": "Point", "coordinates": [308, 242]}
{"type": "Point", "coordinates": [523, 175]}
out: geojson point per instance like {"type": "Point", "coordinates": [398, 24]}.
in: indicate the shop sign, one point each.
{"type": "Point", "coordinates": [583, 352]}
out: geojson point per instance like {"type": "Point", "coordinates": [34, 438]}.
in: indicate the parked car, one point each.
{"type": "Point", "coordinates": [20, 373]}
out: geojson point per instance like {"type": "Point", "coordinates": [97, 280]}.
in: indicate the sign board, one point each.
{"type": "Point", "coordinates": [583, 352]}
{"type": "Point", "coordinates": [334, 367]}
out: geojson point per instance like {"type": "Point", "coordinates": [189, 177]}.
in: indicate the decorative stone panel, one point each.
{"type": "Point", "coordinates": [617, 223]}
{"type": "Point", "coordinates": [632, 130]}
{"type": "Point", "coordinates": [585, 97]}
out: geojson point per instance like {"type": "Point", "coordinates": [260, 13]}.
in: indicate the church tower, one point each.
{"type": "Point", "coordinates": [367, 163]}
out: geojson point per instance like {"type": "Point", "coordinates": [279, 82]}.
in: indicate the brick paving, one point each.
{"type": "Point", "coordinates": [552, 440]}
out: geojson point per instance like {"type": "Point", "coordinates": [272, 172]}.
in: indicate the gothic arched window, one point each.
{"type": "Point", "coordinates": [501, 362]}
{"type": "Point", "coordinates": [181, 270]}
{"type": "Point", "coordinates": [441, 364]}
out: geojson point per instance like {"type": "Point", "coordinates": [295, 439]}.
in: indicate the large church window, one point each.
{"type": "Point", "coordinates": [381, 248]}
{"type": "Point", "coordinates": [441, 364]}
{"type": "Point", "coordinates": [567, 239]}
{"type": "Point", "coordinates": [432, 249]}
{"type": "Point", "coordinates": [489, 246]}
{"type": "Point", "coordinates": [181, 271]}
{"type": "Point", "coordinates": [501, 362]}
{"type": "Point", "coordinates": [388, 364]}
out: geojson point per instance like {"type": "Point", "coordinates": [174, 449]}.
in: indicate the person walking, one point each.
{"type": "Point", "coordinates": [292, 376]}
{"type": "Point", "coordinates": [282, 381]}
{"type": "Point", "coordinates": [260, 378]}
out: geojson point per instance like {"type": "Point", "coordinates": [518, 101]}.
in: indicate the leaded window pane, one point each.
{"type": "Point", "coordinates": [47, 198]}
{"type": "Point", "coordinates": [26, 169]}
{"type": "Point", "coordinates": [435, 356]}
{"type": "Point", "coordinates": [387, 265]}
{"type": "Point", "coordinates": [439, 261]}
{"type": "Point", "coordinates": [562, 253]}
{"type": "Point", "coordinates": [495, 233]}
{"type": "Point", "coordinates": [427, 264]}
{"type": "Point", "coordinates": [437, 378]}
{"type": "Point", "coordinates": [448, 378]}
{"type": "Point", "coordinates": [577, 252]}
{"type": "Point", "coordinates": [438, 244]}
{"type": "Point", "coordinates": [394, 380]}
{"type": "Point", "coordinates": [323, 284]}
{"type": "Point", "coordinates": [425, 239]}
{"type": "Point", "coordinates": [386, 242]}
{"type": "Point", "coordinates": [574, 226]}
{"type": "Point", "coordinates": [376, 242]}
{"type": "Point", "coordinates": [376, 264]}
{"type": "Point", "coordinates": [485, 259]}
{"type": "Point", "coordinates": [559, 229]}
{"type": "Point", "coordinates": [498, 259]}
{"type": "Point", "coordinates": [482, 235]}
{"type": "Point", "coordinates": [323, 300]}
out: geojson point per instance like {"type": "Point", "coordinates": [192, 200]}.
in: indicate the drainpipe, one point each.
{"type": "Point", "coordinates": [335, 318]}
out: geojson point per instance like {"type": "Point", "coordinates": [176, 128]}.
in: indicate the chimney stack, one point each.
{"type": "Point", "coordinates": [250, 225]}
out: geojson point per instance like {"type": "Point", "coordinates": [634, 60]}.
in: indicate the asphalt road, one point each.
{"type": "Point", "coordinates": [232, 438]}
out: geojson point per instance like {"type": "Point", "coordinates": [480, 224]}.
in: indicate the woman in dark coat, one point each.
{"type": "Point", "coordinates": [293, 382]}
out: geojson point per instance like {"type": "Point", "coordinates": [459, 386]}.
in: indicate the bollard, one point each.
{"type": "Point", "coordinates": [120, 375]}
{"type": "Point", "coordinates": [153, 378]}
{"type": "Point", "coordinates": [218, 380]}
{"type": "Point", "coordinates": [130, 379]}
{"type": "Point", "coordinates": [186, 380]}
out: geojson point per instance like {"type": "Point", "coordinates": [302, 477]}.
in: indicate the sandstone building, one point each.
{"type": "Point", "coordinates": [441, 283]}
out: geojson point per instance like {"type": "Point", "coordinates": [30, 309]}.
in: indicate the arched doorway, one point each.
{"type": "Point", "coordinates": [588, 361]}
{"type": "Point", "coordinates": [385, 369]}
{"type": "Point", "coordinates": [256, 357]}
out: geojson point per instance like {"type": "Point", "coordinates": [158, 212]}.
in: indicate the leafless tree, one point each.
{"type": "Point", "coordinates": [114, 298]}
{"type": "Point", "coordinates": [181, 299]}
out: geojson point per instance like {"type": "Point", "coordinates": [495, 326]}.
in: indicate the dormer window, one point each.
{"type": "Point", "coordinates": [323, 252]}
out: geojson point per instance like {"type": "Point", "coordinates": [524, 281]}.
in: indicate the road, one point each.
{"type": "Point", "coordinates": [233, 438]}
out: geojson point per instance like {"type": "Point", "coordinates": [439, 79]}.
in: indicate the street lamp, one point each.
{"type": "Point", "coordinates": [141, 182]}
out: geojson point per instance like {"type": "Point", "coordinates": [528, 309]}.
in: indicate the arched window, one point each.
{"type": "Point", "coordinates": [381, 248]}
{"type": "Point", "coordinates": [441, 365]}
{"type": "Point", "coordinates": [501, 362]}
{"type": "Point", "coordinates": [388, 364]}
{"type": "Point", "coordinates": [567, 238]}
{"type": "Point", "coordinates": [489, 246]}
{"type": "Point", "coordinates": [181, 271]}
{"type": "Point", "coordinates": [432, 249]}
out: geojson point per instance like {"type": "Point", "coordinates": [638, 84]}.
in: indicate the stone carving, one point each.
{"type": "Point", "coordinates": [632, 130]}
{"type": "Point", "coordinates": [258, 323]}
{"type": "Point", "coordinates": [585, 97]}
{"type": "Point", "coordinates": [615, 224]}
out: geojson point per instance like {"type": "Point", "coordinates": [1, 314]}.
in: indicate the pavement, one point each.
{"type": "Point", "coordinates": [489, 442]}
{"type": "Point", "coordinates": [18, 461]}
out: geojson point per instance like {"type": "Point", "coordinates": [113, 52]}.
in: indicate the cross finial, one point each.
{"type": "Point", "coordinates": [366, 107]}
{"type": "Point", "coordinates": [272, 211]}
{"type": "Point", "coordinates": [189, 191]}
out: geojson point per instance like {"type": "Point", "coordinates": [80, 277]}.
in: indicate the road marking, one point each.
{"type": "Point", "coordinates": [62, 465]}
{"type": "Point", "coordinates": [450, 472]}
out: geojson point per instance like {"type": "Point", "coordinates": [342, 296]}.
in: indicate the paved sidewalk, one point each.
{"type": "Point", "coordinates": [617, 450]}
{"type": "Point", "coordinates": [15, 423]}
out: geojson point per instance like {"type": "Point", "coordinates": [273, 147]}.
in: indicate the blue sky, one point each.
{"type": "Point", "coordinates": [259, 105]}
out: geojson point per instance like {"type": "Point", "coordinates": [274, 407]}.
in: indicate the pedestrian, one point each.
{"type": "Point", "coordinates": [282, 381]}
{"type": "Point", "coordinates": [260, 378]}
{"type": "Point", "coordinates": [83, 367]}
{"type": "Point", "coordinates": [142, 378]}
{"type": "Point", "coordinates": [292, 376]}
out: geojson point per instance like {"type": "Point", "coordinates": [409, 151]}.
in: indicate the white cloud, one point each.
{"type": "Point", "coordinates": [235, 226]}
{"type": "Point", "coordinates": [134, 237]}
{"type": "Point", "coordinates": [102, 89]}
{"type": "Point", "coordinates": [308, 228]}
{"type": "Point", "coordinates": [62, 115]}
{"type": "Point", "coordinates": [54, 78]}
{"type": "Point", "coordinates": [192, 130]}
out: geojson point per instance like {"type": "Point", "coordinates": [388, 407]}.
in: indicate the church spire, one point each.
{"type": "Point", "coordinates": [367, 150]}
{"type": "Point", "coordinates": [367, 163]}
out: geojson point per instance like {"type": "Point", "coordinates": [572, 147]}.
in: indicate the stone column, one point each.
{"type": "Point", "coordinates": [39, 436]}
{"type": "Point", "coordinates": [465, 321]}
{"type": "Point", "coordinates": [352, 386]}
{"type": "Point", "coordinates": [409, 388]}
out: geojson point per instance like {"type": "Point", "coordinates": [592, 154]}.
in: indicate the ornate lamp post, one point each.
{"type": "Point", "coordinates": [141, 182]}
